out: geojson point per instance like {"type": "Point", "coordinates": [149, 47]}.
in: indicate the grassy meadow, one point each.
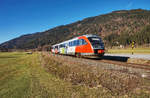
{"type": "Point", "coordinates": [29, 76]}
{"type": "Point", "coordinates": [23, 76]}
{"type": "Point", "coordinates": [129, 50]}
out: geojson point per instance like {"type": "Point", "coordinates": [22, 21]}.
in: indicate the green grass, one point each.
{"type": "Point", "coordinates": [23, 76]}
{"type": "Point", "coordinates": [14, 81]}
{"type": "Point", "coordinates": [129, 50]}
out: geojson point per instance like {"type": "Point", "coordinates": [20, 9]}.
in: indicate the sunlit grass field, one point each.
{"type": "Point", "coordinates": [23, 76]}
{"type": "Point", "coordinates": [129, 50]}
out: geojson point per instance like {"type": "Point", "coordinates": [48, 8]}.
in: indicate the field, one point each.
{"type": "Point", "coordinates": [39, 75]}
{"type": "Point", "coordinates": [129, 50]}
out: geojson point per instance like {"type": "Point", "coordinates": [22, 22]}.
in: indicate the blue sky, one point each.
{"type": "Point", "coordinates": [19, 17]}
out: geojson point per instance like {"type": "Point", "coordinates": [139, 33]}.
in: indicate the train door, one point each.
{"type": "Point", "coordinates": [56, 49]}
{"type": "Point", "coordinates": [71, 48]}
{"type": "Point", "coordinates": [81, 47]}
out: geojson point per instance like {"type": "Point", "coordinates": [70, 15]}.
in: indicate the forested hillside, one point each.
{"type": "Point", "coordinates": [118, 27]}
{"type": "Point", "coordinates": [124, 38]}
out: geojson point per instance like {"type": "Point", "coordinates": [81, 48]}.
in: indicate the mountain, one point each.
{"type": "Point", "coordinates": [117, 27]}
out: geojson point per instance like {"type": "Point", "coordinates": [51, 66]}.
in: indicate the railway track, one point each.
{"type": "Point", "coordinates": [133, 65]}
{"type": "Point", "coordinates": [146, 68]}
{"type": "Point", "coordinates": [116, 62]}
{"type": "Point", "coordinates": [141, 70]}
{"type": "Point", "coordinates": [131, 68]}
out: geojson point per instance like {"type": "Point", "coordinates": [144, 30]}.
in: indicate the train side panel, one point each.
{"type": "Point", "coordinates": [71, 50]}
{"type": "Point", "coordinates": [85, 48]}
{"type": "Point", "coordinates": [84, 45]}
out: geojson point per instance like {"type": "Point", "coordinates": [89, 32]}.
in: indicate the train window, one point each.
{"type": "Point", "coordinates": [62, 45]}
{"type": "Point", "coordinates": [95, 40]}
{"type": "Point", "coordinates": [66, 44]}
{"type": "Point", "coordinates": [75, 43]}
{"type": "Point", "coordinates": [72, 43]}
{"type": "Point", "coordinates": [78, 42]}
{"type": "Point", "coordinates": [83, 42]}
{"type": "Point", "coordinates": [69, 43]}
{"type": "Point", "coordinates": [56, 47]}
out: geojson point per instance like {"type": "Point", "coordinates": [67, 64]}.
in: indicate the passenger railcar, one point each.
{"type": "Point", "coordinates": [85, 45]}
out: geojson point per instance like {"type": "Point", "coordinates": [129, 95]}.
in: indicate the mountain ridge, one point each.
{"type": "Point", "coordinates": [115, 24]}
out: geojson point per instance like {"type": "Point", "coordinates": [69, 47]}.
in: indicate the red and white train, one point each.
{"type": "Point", "coordinates": [85, 45]}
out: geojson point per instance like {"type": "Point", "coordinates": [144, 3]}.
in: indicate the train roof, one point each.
{"type": "Point", "coordinates": [87, 35]}
{"type": "Point", "coordinates": [90, 35]}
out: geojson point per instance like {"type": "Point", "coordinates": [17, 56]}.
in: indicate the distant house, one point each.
{"type": "Point", "coordinates": [121, 46]}
{"type": "Point", "coordinates": [3, 49]}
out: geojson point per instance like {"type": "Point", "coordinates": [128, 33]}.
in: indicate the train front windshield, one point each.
{"type": "Point", "coordinates": [96, 42]}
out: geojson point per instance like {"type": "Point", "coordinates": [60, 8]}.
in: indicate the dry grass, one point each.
{"type": "Point", "coordinates": [48, 76]}
{"type": "Point", "coordinates": [23, 76]}
{"type": "Point", "coordinates": [118, 83]}
{"type": "Point", "coordinates": [139, 61]}
{"type": "Point", "coordinates": [129, 50]}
